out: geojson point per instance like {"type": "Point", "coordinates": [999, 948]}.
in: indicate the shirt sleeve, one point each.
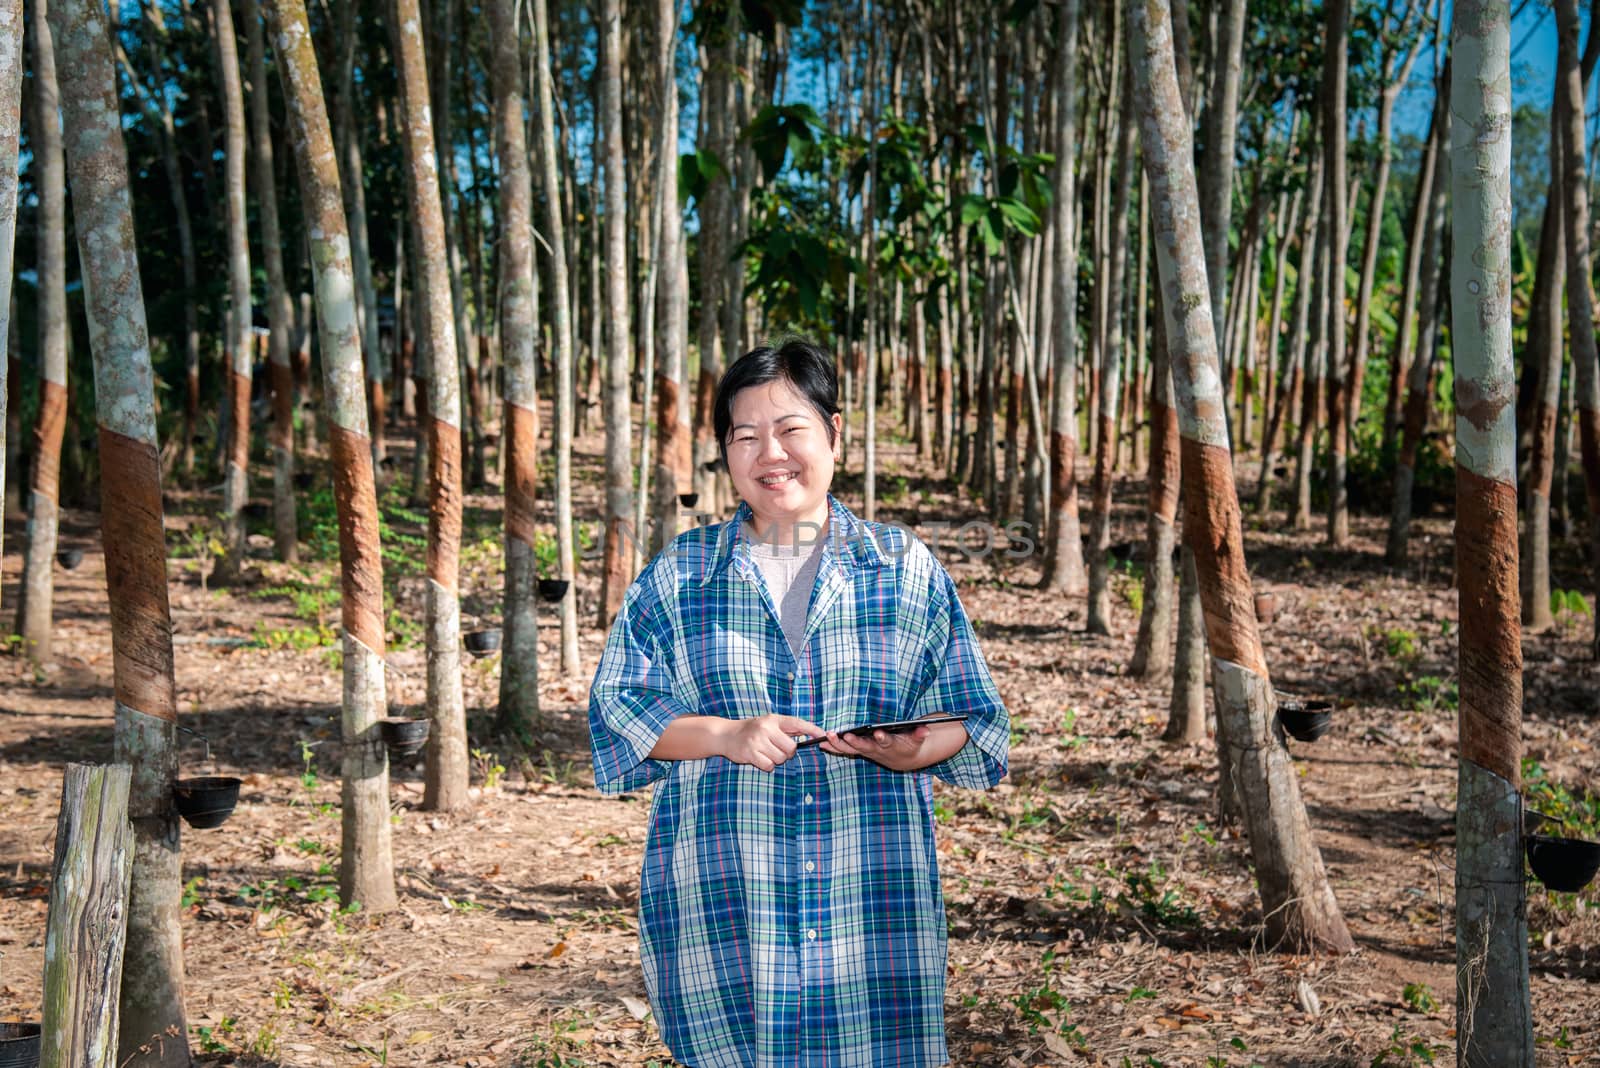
{"type": "Point", "coordinates": [631, 700]}
{"type": "Point", "coordinates": [958, 681]}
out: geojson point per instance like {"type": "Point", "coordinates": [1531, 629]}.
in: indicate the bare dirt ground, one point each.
{"type": "Point", "coordinates": [1098, 912]}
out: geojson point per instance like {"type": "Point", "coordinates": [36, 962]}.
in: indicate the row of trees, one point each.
{"type": "Point", "coordinates": [969, 217]}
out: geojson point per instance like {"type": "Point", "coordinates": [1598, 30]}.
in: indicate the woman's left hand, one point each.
{"type": "Point", "coordinates": [911, 751]}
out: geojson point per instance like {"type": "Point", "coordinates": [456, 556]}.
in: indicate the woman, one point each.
{"type": "Point", "coordinates": [790, 911]}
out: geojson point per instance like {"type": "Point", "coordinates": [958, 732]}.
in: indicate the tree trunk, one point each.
{"type": "Point", "coordinates": [563, 328]}
{"type": "Point", "coordinates": [35, 611]}
{"type": "Point", "coordinates": [869, 242]}
{"type": "Point", "coordinates": [1294, 371]}
{"type": "Point", "coordinates": [1580, 295]}
{"type": "Point", "coordinates": [1216, 164]}
{"type": "Point", "coordinates": [239, 345]}
{"type": "Point", "coordinates": [713, 208]}
{"type": "Point", "coordinates": [674, 437]}
{"type": "Point", "coordinates": [151, 1029]}
{"type": "Point", "coordinates": [1152, 648]}
{"type": "Point", "coordinates": [1336, 69]}
{"type": "Point", "coordinates": [1314, 372]}
{"type": "Point", "coordinates": [1186, 708]}
{"type": "Point", "coordinates": [618, 417]}
{"type": "Point", "coordinates": [1420, 377]}
{"type": "Point", "coordinates": [1544, 359]}
{"type": "Point", "coordinates": [280, 311]}
{"type": "Point", "coordinates": [1404, 344]}
{"type": "Point", "coordinates": [1099, 609]}
{"type": "Point", "coordinates": [1491, 896]}
{"type": "Point", "coordinates": [1063, 562]}
{"type": "Point", "coordinates": [519, 659]}
{"type": "Point", "coordinates": [1296, 900]}
{"type": "Point", "coordinates": [366, 867]}
{"type": "Point", "coordinates": [445, 789]}
{"type": "Point", "coordinates": [352, 181]}
{"type": "Point", "coordinates": [87, 928]}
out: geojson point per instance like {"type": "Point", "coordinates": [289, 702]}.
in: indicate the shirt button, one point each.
{"type": "Point", "coordinates": [811, 865]}
{"type": "Point", "coordinates": [812, 934]}
{"type": "Point", "coordinates": [808, 799]}
{"type": "Point", "coordinates": [790, 676]}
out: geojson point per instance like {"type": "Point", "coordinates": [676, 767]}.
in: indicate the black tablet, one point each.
{"type": "Point", "coordinates": [900, 726]}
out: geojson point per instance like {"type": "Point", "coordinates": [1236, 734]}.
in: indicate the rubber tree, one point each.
{"type": "Point", "coordinates": [10, 138]}
{"type": "Point", "coordinates": [616, 415]}
{"type": "Point", "coordinates": [674, 438]}
{"type": "Point", "coordinates": [1419, 377]}
{"type": "Point", "coordinates": [561, 322]}
{"type": "Point", "coordinates": [1099, 606]}
{"type": "Point", "coordinates": [239, 337]}
{"type": "Point", "coordinates": [280, 310]}
{"type": "Point", "coordinates": [152, 1030]}
{"type": "Point", "coordinates": [35, 611]}
{"type": "Point", "coordinates": [1545, 353]}
{"type": "Point", "coordinates": [366, 864]}
{"type": "Point", "coordinates": [1335, 142]}
{"type": "Point", "coordinates": [445, 787]}
{"type": "Point", "coordinates": [1580, 296]}
{"type": "Point", "coordinates": [519, 662]}
{"type": "Point", "coordinates": [1296, 900]}
{"type": "Point", "coordinates": [1494, 1017]}
{"type": "Point", "coordinates": [1063, 562]}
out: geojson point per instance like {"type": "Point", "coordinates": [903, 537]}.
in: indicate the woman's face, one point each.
{"type": "Point", "coordinates": [781, 455]}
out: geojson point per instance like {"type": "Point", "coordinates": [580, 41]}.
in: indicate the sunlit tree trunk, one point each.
{"type": "Point", "coordinates": [1404, 349]}
{"type": "Point", "coordinates": [561, 314]}
{"type": "Point", "coordinates": [1063, 562]}
{"type": "Point", "coordinates": [446, 784]}
{"type": "Point", "coordinates": [280, 311]}
{"type": "Point", "coordinates": [617, 416]}
{"type": "Point", "coordinates": [1296, 900]}
{"type": "Point", "coordinates": [35, 612]}
{"type": "Point", "coordinates": [712, 209]}
{"type": "Point", "coordinates": [869, 296]}
{"type": "Point", "coordinates": [239, 343]}
{"type": "Point", "coordinates": [366, 865]}
{"type": "Point", "coordinates": [352, 181]}
{"type": "Point", "coordinates": [519, 660]}
{"type": "Point", "coordinates": [1494, 1018]}
{"type": "Point", "coordinates": [151, 1026]}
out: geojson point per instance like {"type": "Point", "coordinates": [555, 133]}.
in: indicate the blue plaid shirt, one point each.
{"type": "Point", "coordinates": [793, 918]}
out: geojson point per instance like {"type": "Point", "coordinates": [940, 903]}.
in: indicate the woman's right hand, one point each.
{"type": "Point", "coordinates": [766, 741]}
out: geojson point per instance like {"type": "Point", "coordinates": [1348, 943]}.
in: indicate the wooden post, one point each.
{"type": "Point", "coordinates": [87, 927]}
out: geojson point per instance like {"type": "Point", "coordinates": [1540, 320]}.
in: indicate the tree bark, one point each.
{"type": "Point", "coordinates": [87, 928]}
{"type": "Point", "coordinates": [366, 866]}
{"type": "Point", "coordinates": [618, 417]}
{"type": "Point", "coordinates": [280, 311]}
{"type": "Point", "coordinates": [1580, 294]}
{"type": "Point", "coordinates": [1419, 381]}
{"type": "Point", "coordinates": [561, 314]}
{"type": "Point", "coordinates": [1063, 562]}
{"type": "Point", "coordinates": [151, 1029]}
{"type": "Point", "coordinates": [1544, 360]}
{"type": "Point", "coordinates": [1099, 608]}
{"type": "Point", "coordinates": [445, 788]}
{"type": "Point", "coordinates": [239, 336]}
{"type": "Point", "coordinates": [1336, 70]}
{"type": "Point", "coordinates": [352, 181]}
{"type": "Point", "coordinates": [35, 609]}
{"type": "Point", "coordinates": [674, 437]}
{"type": "Point", "coordinates": [1296, 900]}
{"type": "Point", "coordinates": [1491, 896]}
{"type": "Point", "coordinates": [519, 660]}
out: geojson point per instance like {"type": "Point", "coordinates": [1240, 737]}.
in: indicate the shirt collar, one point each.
{"type": "Point", "coordinates": [850, 541]}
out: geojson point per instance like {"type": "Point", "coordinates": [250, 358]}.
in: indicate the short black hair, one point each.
{"type": "Point", "coordinates": [796, 360]}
